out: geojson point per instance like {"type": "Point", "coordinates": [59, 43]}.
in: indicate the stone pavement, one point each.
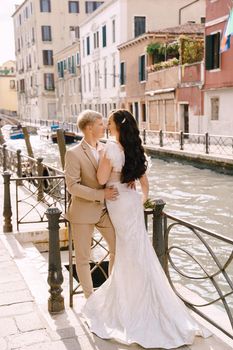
{"type": "Point", "coordinates": [25, 323]}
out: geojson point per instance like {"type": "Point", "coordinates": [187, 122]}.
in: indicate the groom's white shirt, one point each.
{"type": "Point", "coordinates": [95, 150]}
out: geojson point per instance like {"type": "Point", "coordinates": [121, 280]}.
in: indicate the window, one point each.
{"type": "Point", "coordinates": [60, 68]}
{"type": "Point", "coordinates": [96, 40]}
{"type": "Point", "coordinates": [33, 35]}
{"type": "Point", "coordinates": [49, 81]}
{"type": "Point", "coordinates": [136, 111]}
{"type": "Point", "coordinates": [104, 36]}
{"type": "Point", "coordinates": [73, 6]}
{"type": "Point", "coordinates": [77, 59]}
{"type": "Point", "coordinates": [73, 68]}
{"type": "Point", "coordinates": [122, 73]}
{"type": "Point", "coordinates": [83, 47]}
{"type": "Point", "coordinates": [76, 29]}
{"type": "Point", "coordinates": [89, 78]}
{"type": "Point", "coordinates": [88, 45]}
{"type": "Point", "coordinates": [139, 25]}
{"type": "Point", "coordinates": [143, 112]}
{"type": "Point", "coordinates": [214, 108]}
{"type": "Point", "coordinates": [48, 57]}
{"type": "Point", "coordinates": [45, 6]}
{"type": "Point", "coordinates": [113, 73]}
{"type": "Point", "coordinates": [46, 33]}
{"type": "Point", "coordinates": [91, 6]}
{"type": "Point", "coordinates": [142, 68]}
{"type": "Point", "coordinates": [105, 74]}
{"type": "Point", "coordinates": [113, 30]}
{"type": "Point", "coordinates": [21, 85]}
{"type": "Point", "coordinates": [12, 84]}
{"type": "Point", "coordinates": [212, 51]}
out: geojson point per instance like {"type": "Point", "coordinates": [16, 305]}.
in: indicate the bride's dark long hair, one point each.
{"type": "Point", "coordinates": [135, 161]}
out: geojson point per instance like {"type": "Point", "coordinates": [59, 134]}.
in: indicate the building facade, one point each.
{"type": "Point", "coordinates": [218, 89]}
{"type": "Point", "coordinates": [43, 28]}
{"type": "Point", "coordinates": [68, 83]}
{"type": "Point", "coordinates": [153, 94]}
{"type": "Point", "coordinates": [8, 92]}
{"type": "Point", "coordinates": [116, 22]}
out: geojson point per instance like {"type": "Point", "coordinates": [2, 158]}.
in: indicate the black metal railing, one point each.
{"type": "Point", "coordinates": [204, 143]}
{"type": "Point", "coordinates": [211, 271]}
{"type": "Point", "coordinates": [199, 143]}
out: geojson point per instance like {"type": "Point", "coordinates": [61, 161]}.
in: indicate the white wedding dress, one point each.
{"type": "Point", "coordinates": [136, 304]}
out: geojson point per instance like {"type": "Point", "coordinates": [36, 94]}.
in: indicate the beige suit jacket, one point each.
{"type": "Point", "coordinates": [87, 195]}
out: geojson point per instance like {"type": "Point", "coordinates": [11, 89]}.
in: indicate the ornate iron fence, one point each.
{"type": "Point", "coordinates": [212, 271]}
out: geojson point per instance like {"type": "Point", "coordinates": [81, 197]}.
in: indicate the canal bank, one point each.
{"type": "Point", "coordinates": [221, 164]}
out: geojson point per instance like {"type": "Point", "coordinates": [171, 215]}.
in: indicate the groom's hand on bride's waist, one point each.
{"type": "Point", "coordinates": [111, 193]}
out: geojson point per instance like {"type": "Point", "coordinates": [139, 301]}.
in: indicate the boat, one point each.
{"type": "Point", "coordinates": [16, 133]}
{"type": "Point", "coordinates": [13, 132]}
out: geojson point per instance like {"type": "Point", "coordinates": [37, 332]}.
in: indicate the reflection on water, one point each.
{"type": "Point", "coordinates": [199, 196]}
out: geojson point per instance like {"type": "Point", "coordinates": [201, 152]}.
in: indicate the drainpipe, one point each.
{"type": "Point", "coordinates": [182, 8]}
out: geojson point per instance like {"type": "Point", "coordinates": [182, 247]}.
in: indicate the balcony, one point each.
{"type": "Point", "coordinates": [163, 79]}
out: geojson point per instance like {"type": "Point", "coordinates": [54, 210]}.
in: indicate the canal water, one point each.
{"type": "Point", "coordinates": [199, 196]}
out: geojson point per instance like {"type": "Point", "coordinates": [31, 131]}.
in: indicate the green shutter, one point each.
{"type": "Point", "coordinates": [217, 49]}
{"type": "Point", "coordinates": [62, 69]}
{"type": "Point", "coordinates": [139, 69]}
{"type": "Point", "coordinates": [209, 52]}
{"type": "Point", "coordinates": [104, 36]}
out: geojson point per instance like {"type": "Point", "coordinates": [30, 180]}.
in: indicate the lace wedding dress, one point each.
{"type": "Point", "coordinates": [136, 304]}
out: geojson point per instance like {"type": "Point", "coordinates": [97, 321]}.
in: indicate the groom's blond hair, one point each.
{"type": "Point", "coordinates": [87, 117]}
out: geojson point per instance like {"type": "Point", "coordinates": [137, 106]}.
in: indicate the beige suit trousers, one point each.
{"type": "Point", "coordinates": [82, 237]}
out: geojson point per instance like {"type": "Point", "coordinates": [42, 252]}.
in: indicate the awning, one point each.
{"type": "Point", "coordinates": [159, 91]}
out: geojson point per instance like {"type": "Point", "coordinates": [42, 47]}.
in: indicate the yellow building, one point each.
{"type": "Point", "coordinates": [8, 90]}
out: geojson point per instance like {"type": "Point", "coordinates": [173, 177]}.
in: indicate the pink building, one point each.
{"type": "Point", "coordinates": [218, 88]}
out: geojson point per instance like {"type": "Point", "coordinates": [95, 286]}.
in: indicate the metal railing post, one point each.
{"type": "Point", "coordinates": [158, 236]}
{"type": "Point", "coordinates": [55, 277]}
{"type": "Point", "coordinates": [207, 143]}
{"type": "Point", "coordinates": [181, 140]}
{"type": "Point", "coordinates": [4, 151]}
{"type": "Point", "coordinates": [7, 212]}
{"type": "Point", "coordinates": [161, 138]}
{"type": "Point", "coordinates": [40, 169]}
{"type": "Point", "coordinates": [19, 166]}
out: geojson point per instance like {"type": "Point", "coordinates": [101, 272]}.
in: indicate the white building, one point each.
{"type": "Point", "coordinates": [68, 83]}
{"type": "Point", "coordinates": [115, 22]}
{"type": "Point", "coordinates": [43, 28]}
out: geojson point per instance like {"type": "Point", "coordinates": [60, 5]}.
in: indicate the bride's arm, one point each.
{"type": "Point", "coordinates": [104, 170]}
{"type": "Point", "coordinates": [144, 186]}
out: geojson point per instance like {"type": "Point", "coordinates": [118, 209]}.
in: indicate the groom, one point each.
{"type": "Point", "coordinates": [87, 209]}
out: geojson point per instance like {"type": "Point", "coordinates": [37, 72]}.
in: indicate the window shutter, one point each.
{"type": "Point", "coordinates": [139, 69]}
{"type": "Point", "coordinates": [209, 52]}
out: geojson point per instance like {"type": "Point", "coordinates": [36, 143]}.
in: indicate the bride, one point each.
{"type": "Point", "coordinates": [136, 304]}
